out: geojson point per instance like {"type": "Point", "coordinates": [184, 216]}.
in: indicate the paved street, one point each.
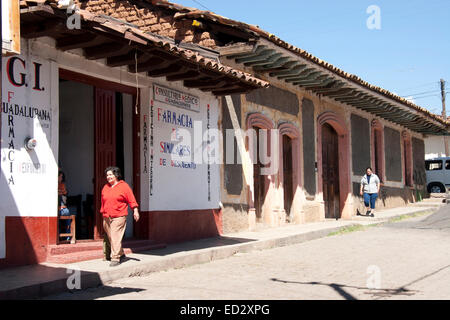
{"type": "Point", "coordinates": [409, 259]}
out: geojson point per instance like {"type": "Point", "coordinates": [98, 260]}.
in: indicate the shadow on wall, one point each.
{"type": "Point", "coordinates": [18, 246]}
{"type": "Point", "coordinates": [179, 226]}
{"type": "Point", "coordinates": [390, 197]}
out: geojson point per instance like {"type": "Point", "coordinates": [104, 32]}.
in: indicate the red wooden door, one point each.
{"type": "Point", "coordinates": [330, 172]}
{"type": "Point", "coordinates": [105, 147]}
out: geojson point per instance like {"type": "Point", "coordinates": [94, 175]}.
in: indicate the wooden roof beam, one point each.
{"type": "Point", "coordinates": [174, 68]}
{"type": "Point", "coordinates": [78, 41]}
{"type": "Point", "coordinates": [191, 74]}
{"type": "Point", "coordinates": [206, 84]}
{"type": "Point", "coordinates": [49, 28]}
{"type": "Point", "coordinates": [126, 59]}
{"type": "Point", "coordinates": [106, 50]}
{"type": "Point", "coordinates": [152, 63]}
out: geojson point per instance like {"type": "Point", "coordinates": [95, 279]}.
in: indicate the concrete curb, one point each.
{"type": "Point", "coordinates": [181, 260]}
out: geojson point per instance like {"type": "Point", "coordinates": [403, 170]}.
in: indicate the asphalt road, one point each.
{"type": "Point", "coordinates": [409, 259]}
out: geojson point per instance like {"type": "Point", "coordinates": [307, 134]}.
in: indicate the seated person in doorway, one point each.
{"type": "Point", "coordinates": [62, 202]}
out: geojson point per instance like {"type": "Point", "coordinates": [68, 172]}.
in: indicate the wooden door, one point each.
{"type": "Point", "coordinates": [258, 179]}
{"type": "Point", "coordinates": [330, 172]}
{"type": "Point", "coordinates": [105, 147]}
{"type": "Point", "coordinates": [287, 174]}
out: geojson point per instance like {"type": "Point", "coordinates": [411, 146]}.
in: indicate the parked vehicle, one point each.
{"type": "Point", "coordinates": [438, 174]}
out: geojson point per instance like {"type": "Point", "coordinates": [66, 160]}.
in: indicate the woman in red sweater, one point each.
{"type": "Point", "coordinates": [116, 197]}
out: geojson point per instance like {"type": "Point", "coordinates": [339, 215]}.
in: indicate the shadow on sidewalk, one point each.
{"type": "Point", "coordinates": [94, 293]}
{"type": "Point", "coordinates": [339, 288]}
{"type": "Point", "coordinates": [219, 241]}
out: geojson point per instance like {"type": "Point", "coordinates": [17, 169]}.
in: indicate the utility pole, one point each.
{"type": "Point", "coordinates": [443, 99]}
{"type": "Point", "coordinates": [444, 114]}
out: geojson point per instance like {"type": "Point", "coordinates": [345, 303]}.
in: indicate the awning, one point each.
{"type": "Point", "coordinates": [120, 43]}
{"type": "Point", "coordinates": [265, 58]}
{"type": "Point", "coordinates": [268, 56]}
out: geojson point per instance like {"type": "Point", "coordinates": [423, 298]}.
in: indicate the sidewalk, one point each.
{"type": "Point", "coordinates": [29, 282]}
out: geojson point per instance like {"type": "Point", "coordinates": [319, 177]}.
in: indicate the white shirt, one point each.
{"type": "Point", "coordinates": [372, 186]}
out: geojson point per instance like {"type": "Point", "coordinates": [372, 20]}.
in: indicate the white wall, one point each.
{"type": "Point", "coordinates": [28, 184]}
{"type": "Point", "coordinates": [176, 188]}
{"type": "Point", "coordinates": [435, 146]}
{"type": "Point", "coordinates": [35, 194]}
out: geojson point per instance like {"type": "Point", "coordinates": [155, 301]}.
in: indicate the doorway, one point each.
{"type": "Point", "coordinates": [96, 130]}
{"type": "Point", "coordinates": [258, 178]}
{"type": "Point", "coordinates": [330, 172]}
{"type": "Point", "coordinates": [288, 182]}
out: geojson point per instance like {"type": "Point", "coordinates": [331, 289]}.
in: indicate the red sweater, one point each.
{"type": "Point", "coordinates": [115, 200]}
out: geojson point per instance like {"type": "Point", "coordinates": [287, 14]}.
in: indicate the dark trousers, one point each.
{"type": "Point", "coordinates": [369, 199]}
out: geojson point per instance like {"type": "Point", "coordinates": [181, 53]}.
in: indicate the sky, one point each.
{"type": "Point", "coordinates": [404, 49]}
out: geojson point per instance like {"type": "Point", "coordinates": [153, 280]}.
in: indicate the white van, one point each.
{"type": "Point", "coordinates": [438, 174]}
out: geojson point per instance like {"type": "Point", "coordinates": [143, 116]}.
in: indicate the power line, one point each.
{"type": "Point", "coordinates": [420, 93]}
{"type": "Point", "coordinates": [198, 2]}
{"type": "Point", "coordinates": [428, 96]}
{"type": "Point", "coordinates": [422, 85]}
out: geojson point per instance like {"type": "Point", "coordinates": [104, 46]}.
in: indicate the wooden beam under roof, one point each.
{"type": "Point", "coordinates": [336, 85]}
{"type": "Point", "coordinates": [171, 69]}
{"type": "Point", "coordinates": [205, 84]}
{"type": "Point", "coordinates": [127, 59]}
{"type": "Point", "coordinates": [298, 71]}
{"type": "Point", "coordinates": [309, 77]}
{"type": "Point", "coordinates": [264, 57]}
{"type": "Point", "coordinates": [189, 74]}
{"type": "Point", "coordinates": [235, 50]}
{"type": "Point", "coordinates": [272, 65]}
{"type": "Point", "coordinates": [253, 53]}
{"type": "Point", "coordinates": [264, 62]}
{"type": "Point", "coordinates": [323, 83]}
{"type": "Point", "coordinates": [151, 63]}
{"type": "Point", "coordinates": [229, 91]}
{"type": "Point", "coordinates": [339, 92]}
{"type": "Point", "coordinates": [83, 40]}
{"type": "Point", "coordinates": [48, 28]}
{"type": "Point", "coordinates": [106, 50]}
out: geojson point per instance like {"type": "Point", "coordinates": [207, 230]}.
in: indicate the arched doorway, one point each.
{"type": "Point", "coordinates": [288, 179]}
{"type": "Point", "coordinates": [333, 165]}
{"type": "Point", "coordinates": [330, 172]}
{"type": "Point", "coordinates": [259, 201]}
{"type": "Point", "coordinates": [290, 170]}
{"type": "Point", "coordinates": [259, 185]}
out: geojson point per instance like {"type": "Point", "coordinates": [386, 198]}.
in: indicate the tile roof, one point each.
{"type": "Point", "coordinates": [171, 24]}
{"type": "Point", "coordinates": [196, 14]}
{"type": "Point", "coordinates": [136, 34]}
